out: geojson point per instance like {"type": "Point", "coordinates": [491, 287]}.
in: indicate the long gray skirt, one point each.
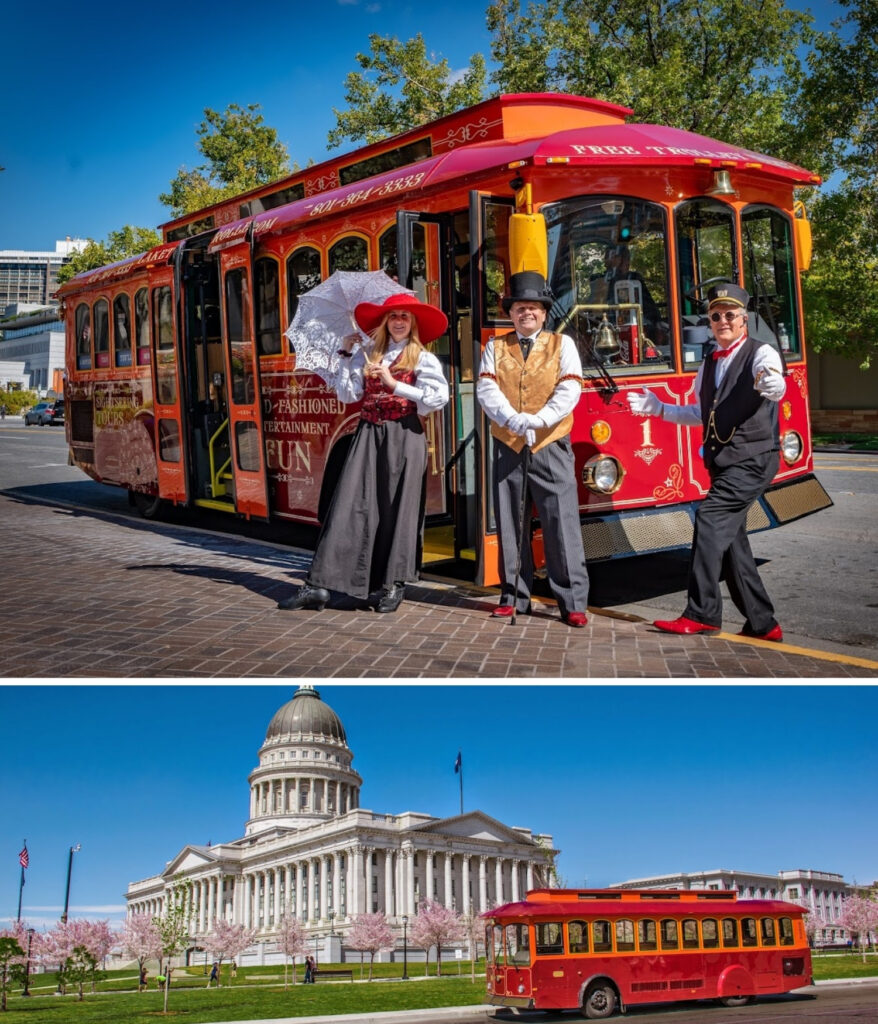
{"type": "Point", "coordinates": [373, 533]}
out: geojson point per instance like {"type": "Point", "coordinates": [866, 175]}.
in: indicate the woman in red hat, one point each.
{"type": "Point", "coordinates": [370, 543]}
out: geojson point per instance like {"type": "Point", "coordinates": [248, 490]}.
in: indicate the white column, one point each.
{"type": "Point", "coordinates": [428, 893]}
{"type": "Point", "coordinates": [515, 870]}
{"type": "Point", "coordinates": [248, 905]}
{"type": "Point", "coordinates": [356, 881]}
{"type": "Point", "coordinates": [266, 895]}
{"type": "Point", "coordinates": [410, 881]}
{"type": "Point", "coordinates": [483, 884]}
{"type": "Point", "coordinates": [464, 907]}
{"type": "Point", "coordinates": [449, 858]}
{"type": "Point", "coordinates": [336, 885]}
{"type": "Point", "coordinates": [324, 888]}
{"type": "Point", "coordinates": [276, 873]}
{"type": "Point", "coordinates": [389, 902]}
{"type": "Point", "coordinates": [530, 875]}
{"type": "Point", "coordinates": [498, 881]}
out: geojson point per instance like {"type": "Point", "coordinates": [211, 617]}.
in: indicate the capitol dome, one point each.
{"type": "Point", "coordinates": [305, 715]}
{"type": "Point", "coordinates": [305, 774]}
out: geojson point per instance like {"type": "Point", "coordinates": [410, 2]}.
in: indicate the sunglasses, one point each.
{"type": "Point", "coordinates": [728, 316]}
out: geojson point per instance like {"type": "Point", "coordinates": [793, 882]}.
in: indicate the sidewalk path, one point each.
{"type": "Point", "coordinates": [99, 595]}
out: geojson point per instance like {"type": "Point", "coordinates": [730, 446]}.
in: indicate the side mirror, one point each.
{"type": "Point", "coordinates": [804, 242]}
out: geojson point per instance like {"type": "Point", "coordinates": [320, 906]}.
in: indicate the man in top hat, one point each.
{"type": "Point", "coordinates": [738, 387]}
{"type": "Point", "coordinates": [530, 381]}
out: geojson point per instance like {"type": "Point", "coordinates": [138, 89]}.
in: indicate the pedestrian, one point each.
{"type": "Point", "coordinates": [3, 412]}
{"type": "Point", "coordinates": [234, 969]}
{"type": "Point", "coordinates": [530, 381]}
{"type": "Point", "coordinates": [737, 390]}
{"type": "Point", "coordinates": [214, 974]}
{"type": "Point", "coordinates": [370, 543]}
{"type": "Point", "coordinates": [309, 970]}
{"type": "Point", "coordinates": [141, 985]}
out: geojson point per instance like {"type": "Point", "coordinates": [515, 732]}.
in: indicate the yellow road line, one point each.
{"type": "Point", "coordinates": [807, 652]}
{"type": "Point", "coordinates": [848, 469]}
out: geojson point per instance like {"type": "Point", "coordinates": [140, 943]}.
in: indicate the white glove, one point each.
{"type": "Point", "coordinates": [530, 437]}
{"type": "Point", "coordinates": [535, 421]}
{"type": "Point", "coordinates": [645, 404]}
{"type": "Point", "coordinates": [518, 423]}
{"type": "Point", "coordinates": [770, 385]}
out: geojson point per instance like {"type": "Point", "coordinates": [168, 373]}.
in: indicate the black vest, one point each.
{"type": "Point", "coordinates": [738, 422]}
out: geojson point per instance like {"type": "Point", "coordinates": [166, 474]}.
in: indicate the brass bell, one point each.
{"type": "Point", "coordinates": [606, 344]}
{"type": "Point", "coordinates": [722, 184]}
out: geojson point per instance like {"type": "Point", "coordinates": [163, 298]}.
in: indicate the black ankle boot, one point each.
{"type": "Point", "coordinates": [391, 598]}
{"type": "Point", "coordinates": [309, 596]}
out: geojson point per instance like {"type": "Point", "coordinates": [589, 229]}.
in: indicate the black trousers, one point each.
{"type": "Point", "coordinates": [721, 550]}
{"type": "Point", "coordinates": [552, 488]}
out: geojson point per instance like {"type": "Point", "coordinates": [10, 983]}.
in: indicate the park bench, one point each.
{"type": "Point", "coordinates": [321, 973]}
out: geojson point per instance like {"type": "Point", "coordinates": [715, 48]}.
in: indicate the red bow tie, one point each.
{"type": "Point", "coordinates": [721, 353]}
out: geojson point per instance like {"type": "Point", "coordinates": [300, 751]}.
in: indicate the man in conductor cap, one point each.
{"type": "Point", "coordinates": [530, 381]}
{"type": "Point", "coordinates": [737, 388]}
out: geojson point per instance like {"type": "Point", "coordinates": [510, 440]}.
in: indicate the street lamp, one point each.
{"type": "Point", "coordinates": [73, 849]}
{"type": "Point", "coordinates": [30, 939]}
{"type": "Point", "coordinates": [405, 948]}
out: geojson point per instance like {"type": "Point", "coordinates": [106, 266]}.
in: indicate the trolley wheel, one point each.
{"type": "Point", "coordinates": [600, 1001]}
{"type": "Point", "coordinates": [150, 506]}
{"type": "Point", "coordinates": [732, 1001]}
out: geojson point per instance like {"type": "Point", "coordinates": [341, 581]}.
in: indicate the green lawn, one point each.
{"type": "Point", "coordinates": [860, 442]}
{"type": "Point", "coordinates": [258, 993]}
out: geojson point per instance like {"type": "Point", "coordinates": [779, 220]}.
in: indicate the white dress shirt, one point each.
{"type": "Point", "coordinates": [429, 392]}
{"type": "Point", "coordinates": [561, 402]}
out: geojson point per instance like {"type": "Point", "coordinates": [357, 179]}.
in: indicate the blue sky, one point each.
{"type": "Point", "coordinates": [101, 100]}
{"type": "Point", "coordinates": [630, 781]}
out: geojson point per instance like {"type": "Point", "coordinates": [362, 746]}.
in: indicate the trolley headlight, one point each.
{"type": "Point", "coordinates": [791, 447]}
{"type": "Point", "coordinates": [603, 474]}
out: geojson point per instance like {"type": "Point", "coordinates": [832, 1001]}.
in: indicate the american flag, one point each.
{"type": "Point", "coordinates": [24, 858]}
{"type": "Point", "coordinates": [458, 763]}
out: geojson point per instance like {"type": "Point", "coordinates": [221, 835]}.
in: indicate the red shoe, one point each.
{"type": "Point", "coordinates": [506, 611]}
{"type": "Point", "coordinates": [684, 625]}
{"type": "Point", "coordinates": [775, 634]}
{"type": "Point", "coordinates": [575, 619]}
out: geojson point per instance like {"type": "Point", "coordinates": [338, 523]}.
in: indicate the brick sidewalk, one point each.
{"type": "Point", "coordinates": [95, 595]}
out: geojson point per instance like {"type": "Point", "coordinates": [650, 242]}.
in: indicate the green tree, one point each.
{"type": "Point", "coordinates": [11, 966]}
{"type": "Point", "coordinates": [840, 118]}
{"type": "Point", "coordinates": [400, 87]}
{"type": "Point", "coordinates": [174, 926]}
{"type": "Point", "coordinates": [80, 967]}
{"type": "Point", "coordinates": [127, 241]}
{"type": "Point", "coordinates": [242, 153]}
{"type": "Point", "coordinates": [729, 69]}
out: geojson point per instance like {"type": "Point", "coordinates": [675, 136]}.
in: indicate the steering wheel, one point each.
{"type": "Point", "coordinates": [692, 293]}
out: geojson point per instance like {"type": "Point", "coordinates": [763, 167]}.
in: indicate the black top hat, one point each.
{"type": "Point", "coordinates": [527, 286]}
{"type": "Point", "coordinates": [727, 294]}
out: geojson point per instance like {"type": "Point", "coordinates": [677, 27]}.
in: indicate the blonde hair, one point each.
{"type": "Point", "coordinates": [410, 355]}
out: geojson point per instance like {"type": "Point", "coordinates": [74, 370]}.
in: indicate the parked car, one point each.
{"type": "Point", "coordinates": [45, 413]}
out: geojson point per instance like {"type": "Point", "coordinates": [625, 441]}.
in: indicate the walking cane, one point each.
{"type": "Point", "coordinates": [521, 513]}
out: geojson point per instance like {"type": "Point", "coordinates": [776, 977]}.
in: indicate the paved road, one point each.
{"type": "Point", "coordinates": [123, 597]}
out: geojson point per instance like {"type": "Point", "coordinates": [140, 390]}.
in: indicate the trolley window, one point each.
{"type": "Point", "coordinates": [141, 326]}
{"type": "Point", "coordinates": [122, 330]}
{"type": "Point", "coordinates": [786, 931]}
{"type": "Point", "coordinates": [102, 332]}
{"type": "Point", "coordinates": [388, 253]}
{"type": "Point", "coordinates": [548, 940]}
{"type": "Point", "coordinates": [748, 931]}
{"type": "Point", "coordinates": [303, 272]}
{"type": "Point", "coordinates": [496, 259]}
{"type": "Point", "coordinates": [670, 934]}
{"type": "Point", "coordinates": [577, 936]}
{"type": "Point", "coordinates": [730, 932]}
{"type": "Point", "coordinates": [83, 337]}
{"type": "Point", "coordinates": [517, 944]}
{"type": "Point", "coordinates": [240, 348]}
{"type": "Point", "coordinates": [646, 935]}
{"type": "Point", "coordinates": [609, 274]}
{"type": "Point", "coordinates": [267, 283]}
{"type": "Point", "coordinates": [770, 273]}
{"type": "Point", "coordinates": [624, 936]}
{"type": "Point", "coordinates": [349, 253]}
{"type": "Point", "coordinates": [602, 937]}
{"type": "Point", "coordinates": [710, 933]}
{"type": "Point", "coordinates": [689, 928]}
{"type": "Point", "coordinates": [769, 932]}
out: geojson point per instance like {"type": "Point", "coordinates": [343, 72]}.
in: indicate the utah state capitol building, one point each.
{"type": "Point", "coordinates": [309, 848]}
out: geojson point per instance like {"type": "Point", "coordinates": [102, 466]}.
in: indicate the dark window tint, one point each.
{"type": "Point", "coordinates": [122, 330]}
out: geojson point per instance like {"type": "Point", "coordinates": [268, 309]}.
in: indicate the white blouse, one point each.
{"type": "Point", "coordinates": [429, 392]}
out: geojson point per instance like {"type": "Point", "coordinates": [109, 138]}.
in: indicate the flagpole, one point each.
{"type": "Point", "coordinates": [21, 883]}
{"type": "Point", "coordinates": [461, 787]}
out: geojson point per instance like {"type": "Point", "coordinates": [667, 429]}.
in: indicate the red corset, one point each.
{"type": "Point", "coordinates": [380, 403]}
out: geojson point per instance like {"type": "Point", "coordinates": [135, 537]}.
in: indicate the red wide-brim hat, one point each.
{"type": "Point", "coordinates": [432, 322]}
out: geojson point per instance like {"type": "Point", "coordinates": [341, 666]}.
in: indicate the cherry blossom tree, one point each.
{"type": "Point", "coordinates": [370, 933]}
{"type": "Point", "coordinates": [226, 941]}
{"type": "Point", "coordinates": [474, 930]}
{"type": "Point", "coordinates": [437, 926]}
{"type": "Point", "coordinates": [90, 941]}
{"type": "Point", "coordinates": [859, 916]}
{"type": "Point", "coordinates": [292, 942]}
{"type": "Point", "coordinates": [140, 939]}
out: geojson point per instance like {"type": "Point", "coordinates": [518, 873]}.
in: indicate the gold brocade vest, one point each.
{"type": "Point", "coordinates": [529, 385]}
